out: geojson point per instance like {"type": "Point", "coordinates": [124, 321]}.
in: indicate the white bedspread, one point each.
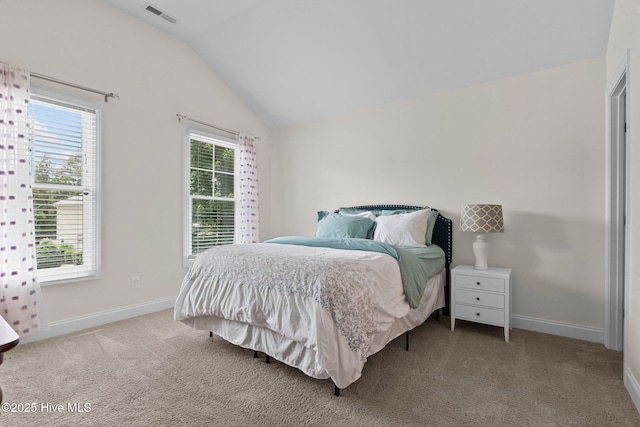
{"type": "Point", "coordinates": [294, 302]}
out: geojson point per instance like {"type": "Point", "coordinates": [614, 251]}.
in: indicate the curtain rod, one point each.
{"type": "Point", "coordinates": [182, 117]}
{"type": "Point", "coordinates": [106, 95]}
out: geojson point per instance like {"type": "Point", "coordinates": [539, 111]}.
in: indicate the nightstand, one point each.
{"type": "Point", "coordinates": [482, 296]}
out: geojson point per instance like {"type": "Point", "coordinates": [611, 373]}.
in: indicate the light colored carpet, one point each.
{"type": "Point", "coordinates": [152, 371]}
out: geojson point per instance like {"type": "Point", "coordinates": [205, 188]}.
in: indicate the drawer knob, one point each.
{"type": "Point", "coordinates": [477, 298]}
{"type": "Point", "coordinates": [478, 283]}
{"type": "Point", "coordinates": [477, 314]}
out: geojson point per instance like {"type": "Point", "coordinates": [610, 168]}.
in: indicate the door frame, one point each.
{"type": "Point", "coordinates": [617, 202]}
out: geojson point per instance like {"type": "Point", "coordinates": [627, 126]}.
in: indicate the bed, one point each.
{"type": "Point", "coordinates": [324, 304]}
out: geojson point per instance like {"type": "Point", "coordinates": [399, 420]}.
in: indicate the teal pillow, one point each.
{"type": "Point", "coordinates": [339, 226]}
{"type": "Point", "coordinates": [431, 223]}
{"type": "Point", "coordinates": [322, 214]}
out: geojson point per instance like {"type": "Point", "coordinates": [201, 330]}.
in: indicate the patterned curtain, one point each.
{"type": "Point", "coordinates": [20, 289]}
{"type": "Point", "coordinates": [246, 226]}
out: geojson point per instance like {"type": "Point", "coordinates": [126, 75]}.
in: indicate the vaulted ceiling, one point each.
{"type": "Point", "coordinates": [296, 61]}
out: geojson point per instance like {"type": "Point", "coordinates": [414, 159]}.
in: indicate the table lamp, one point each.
{"type": "Point", "coordinates": [481, 219]}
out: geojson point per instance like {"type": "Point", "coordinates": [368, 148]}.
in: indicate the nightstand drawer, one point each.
{"type": "Point", "coordinates": [480, 298]}
{"type": "Point", "coordinates": [481, 283]}
{"type": "Point", "coordinates": [479, 314]}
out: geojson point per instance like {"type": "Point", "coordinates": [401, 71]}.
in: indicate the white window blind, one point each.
{"type": "Point", "coordinates": [210, 182]}
{"type": "Point", "coordinates": [65, 189]}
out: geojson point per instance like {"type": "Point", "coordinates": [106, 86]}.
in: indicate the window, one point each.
{"type": "Point", "coordinates": [211, 189]}
{"type": "Point", "coordinates": [65, 189]}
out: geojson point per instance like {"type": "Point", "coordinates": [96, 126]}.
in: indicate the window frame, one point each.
{"type": "Point", "coordinates": [218, 140]}
{"type": "Point", "coordinates": [53, 276]}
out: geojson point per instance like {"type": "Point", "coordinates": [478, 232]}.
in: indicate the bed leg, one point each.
{"type": "Point", "coordinates": [406, 334]}
{"type": "Point", "coordinates": [437, 315]}
{"type": "Point", "coordinates": [336, 390]}
{"type": "Point", "coordinates": [210, 334]}
{"type": "Point", "coordinates": [255, 354]}
{"type": "Point", "coordinates": [267, 359]}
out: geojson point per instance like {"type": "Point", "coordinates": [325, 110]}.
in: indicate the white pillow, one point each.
{"type": "Point", "coordinates": [402, 229]}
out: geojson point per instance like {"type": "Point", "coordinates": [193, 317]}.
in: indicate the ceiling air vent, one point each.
{"type": "Point", "coordinates": [152, 9]}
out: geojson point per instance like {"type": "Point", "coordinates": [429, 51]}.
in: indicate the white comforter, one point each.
{"type": "Point", "coordinates": [309, 302]}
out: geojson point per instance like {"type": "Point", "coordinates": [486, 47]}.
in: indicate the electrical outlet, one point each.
{"type": "Point", "coordinates": [135, 282]}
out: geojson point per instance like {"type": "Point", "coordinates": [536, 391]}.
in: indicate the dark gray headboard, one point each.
{"type": "Point", "coordinates": [442, 230]}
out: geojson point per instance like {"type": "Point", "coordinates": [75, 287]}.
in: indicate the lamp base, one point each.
{"type": "Point", "coordinates": [480, 247]}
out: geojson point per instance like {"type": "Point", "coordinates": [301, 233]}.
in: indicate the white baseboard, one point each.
{"type": "Point", "coordinates": [633, 387]}
{"type": "Point", "coordinates": [76, 324]}
{"type": "Point", "coordinates": [558, 328]}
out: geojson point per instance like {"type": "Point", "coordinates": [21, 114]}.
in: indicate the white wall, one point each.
{"type": "Point", "coordinates": [90, 43]}
{"type": "Point", "coordinates": [532, 143]}
{"type": "Point", "coordinates": [625, 35]}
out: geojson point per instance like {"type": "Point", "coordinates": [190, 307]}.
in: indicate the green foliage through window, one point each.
{"type": "Point", "coordinates": [212, 194]}
{"type": "Point", "coordinates": [49, 254]}
{"type": "Point", "coordinates": [64, 170]}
